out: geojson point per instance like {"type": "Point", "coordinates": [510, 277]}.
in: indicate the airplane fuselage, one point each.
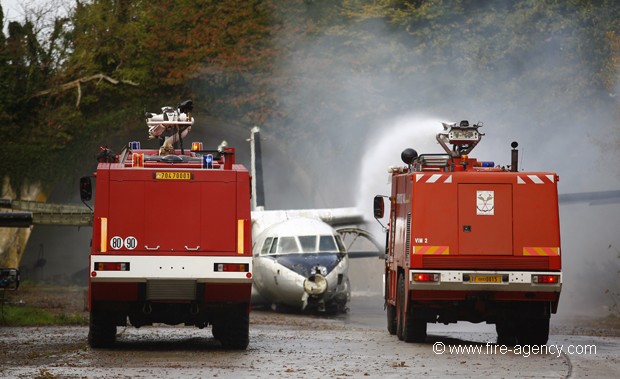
{"type": "Point", "coordinates": [290, 280]}
{"type": "Point", "coordinates": [301, 264]}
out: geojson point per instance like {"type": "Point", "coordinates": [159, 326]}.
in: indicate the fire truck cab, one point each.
{"type": "Point", "coordinates": [470, 241]}
{"type": "Point", "coordinates": [171, 242]}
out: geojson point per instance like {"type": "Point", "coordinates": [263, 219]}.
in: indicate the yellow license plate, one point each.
{"type": "Point", "coordinates": [173, 175]}
{"type": "Point", "coordinates": [485, 279]}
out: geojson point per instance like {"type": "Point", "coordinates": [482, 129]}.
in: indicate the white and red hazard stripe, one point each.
{"type": "Point", "coordinates": [535, 179]}
{"type": "Point", "coordinates": [433, 178]}
{"type": "Point", "coordinates": [521, 179]}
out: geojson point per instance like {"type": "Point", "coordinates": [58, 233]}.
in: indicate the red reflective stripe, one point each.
{"type": "Point", "coordinates": [432, 250]}
{"type": "Point", "coordinates": [540, 251]}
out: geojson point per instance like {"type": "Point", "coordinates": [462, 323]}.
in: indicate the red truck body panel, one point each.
{"type": "Point", "coordinates": [449, 231]}
{"type": "Point", "coordinates": [171, 244]}
{"type": "Point", "coordinates": [471, 243]}
{"type": "Point", "coordinates": [200, 212]}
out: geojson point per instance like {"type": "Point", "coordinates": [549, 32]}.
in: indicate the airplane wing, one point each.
{"type": "Point", "coordinates": [26, 213]}
{"type": "Point", "coordinates": [593, 198]}
{"type": "Point", "coordinates": [262, 219]}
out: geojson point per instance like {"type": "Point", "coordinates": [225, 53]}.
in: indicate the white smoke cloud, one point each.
{"type": "Point", "coordinates": [371, 108]}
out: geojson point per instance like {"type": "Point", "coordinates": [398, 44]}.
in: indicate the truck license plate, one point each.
{"type": "Point", "coordinates": [173, 175]}
{"type": "Point", "coordinates": [485, 279]}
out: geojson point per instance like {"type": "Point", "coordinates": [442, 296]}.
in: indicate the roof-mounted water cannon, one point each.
{"type": "Point", "coordinates": [462, 136]}
{"type": "Point", "coordinates": [171, 125]}
{"type": "Point", "coordinates": [222, 146]}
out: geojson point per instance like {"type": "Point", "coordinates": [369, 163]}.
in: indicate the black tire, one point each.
{"type": "Point", "coordinates": [232, 329]}
{"type": "Point", "coordinates": [506, 333]}
{"type": "Point", "coordinates": [400, 308]}
{"type": "Point", "coordinates": [391, 319]}
{"type": "Point", "coordinates": [409, 328]}
{"type": "Point", "coordinates": [216, 330]}
{"type": "Point", "coordinates": [533, 332]}
{"type": "Point", "coordinates": [390, 309]}
{"type": "Point", "coordinates": [101, 330]}
{"type": "Point", "coordinates": [415, 328]}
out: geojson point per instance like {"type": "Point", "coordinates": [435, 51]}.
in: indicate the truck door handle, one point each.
{"type": "Point", "coordinates": [151, 248]}
{"type": "Point", "coordinates": [192, 248]}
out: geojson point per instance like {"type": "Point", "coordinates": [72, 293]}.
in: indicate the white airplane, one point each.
{"type": "Point", "coordinates": [301, 262]}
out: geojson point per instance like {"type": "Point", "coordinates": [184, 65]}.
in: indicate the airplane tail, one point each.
{"type": "Point", "coordinates": [258, 191]}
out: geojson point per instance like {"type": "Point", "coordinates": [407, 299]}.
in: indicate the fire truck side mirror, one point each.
{"type": "Point", "coordinates": [86, 188]}
{"type": "Point", "coordinates": [378, 206]}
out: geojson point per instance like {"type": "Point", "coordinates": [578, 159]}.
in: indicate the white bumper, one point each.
{"type": "Point", "coordinates": [461, 280]}
{"type": "Point", "coordinates": [142, 268]}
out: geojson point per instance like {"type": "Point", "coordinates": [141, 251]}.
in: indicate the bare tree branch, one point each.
{"type": "Point", "coordinates": [77, 85]}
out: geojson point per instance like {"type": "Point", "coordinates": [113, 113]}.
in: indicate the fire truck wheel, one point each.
{"type": "Point", "coordinates": [215, 330]}
{"type": "Point", "coordinates": [390, 309]}
{"type": "Point", "coordinates": [533, 332]}
{"type": "Point", "coordinates": [233, 329]}
{"type": "Point", "coordinates": [400, 308]}
{"type": "Point", "coordinates": [415, 329]}
{"type": "Point", "coordinates": [391, 319]}
{"type": "Point", "coordinates": [101, 330]}
{"type": "Point", "coordinates": [409, 328]}
{"type": "Point", "coordinates": [506, 333]}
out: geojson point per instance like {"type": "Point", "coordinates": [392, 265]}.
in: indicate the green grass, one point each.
{"type": "Point", "coordinates": [26, 316]}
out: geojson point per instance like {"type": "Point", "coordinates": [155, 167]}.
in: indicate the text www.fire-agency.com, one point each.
{"type": "Point", "coordinates": [523, 350]}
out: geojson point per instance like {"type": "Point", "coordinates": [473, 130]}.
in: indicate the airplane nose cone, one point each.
{"type": "Point", "coordinates": [315, 285]}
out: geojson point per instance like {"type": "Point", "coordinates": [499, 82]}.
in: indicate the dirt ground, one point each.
{"type": "Point", "coordinates": [73, 300]}
{"type": "Point", "coordinates": [55, 299]}
{"type": "Point", "coordinates": [286, 345]}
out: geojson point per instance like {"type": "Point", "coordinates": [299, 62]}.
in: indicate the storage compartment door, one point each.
{"type": "Point", "coordinates": [172, 216]}
{"type": "Point", "coordinates": [485, 219]}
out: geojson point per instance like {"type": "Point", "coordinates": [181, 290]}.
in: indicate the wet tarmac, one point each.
{"type": "Point", "coordinates": [303, 346]}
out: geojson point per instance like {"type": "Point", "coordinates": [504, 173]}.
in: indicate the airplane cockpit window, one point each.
{"type": "Point", "coordinates": [302, 244]}
{"type": "Point", "coordinates": [327, 244]}
{"type": "Point", "coordinates": [272, 250]}
{"type": "Point", "coordinates": [266, 246]}
{"type": "Point", "coordinates": [308, 243]}
{"type": "Point", "coordinates": [287, 245]}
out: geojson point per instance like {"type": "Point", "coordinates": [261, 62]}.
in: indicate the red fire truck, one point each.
{"type": "Point", "coordinates": [471, 241]}
{"type": "Point", "coordinates": [171, 237]}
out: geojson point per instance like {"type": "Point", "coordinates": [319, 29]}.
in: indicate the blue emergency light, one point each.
{"type": "Point", "coordinates": [134, 145]}
{"type": "Point", "coordinates": [207, 161]}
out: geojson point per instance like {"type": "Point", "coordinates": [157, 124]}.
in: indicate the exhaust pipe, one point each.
{"type": "Point", "coordinates": [514, 164]}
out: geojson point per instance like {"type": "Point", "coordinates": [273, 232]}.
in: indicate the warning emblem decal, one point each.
{"type": "Point", "coordinates": [485, 203]}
